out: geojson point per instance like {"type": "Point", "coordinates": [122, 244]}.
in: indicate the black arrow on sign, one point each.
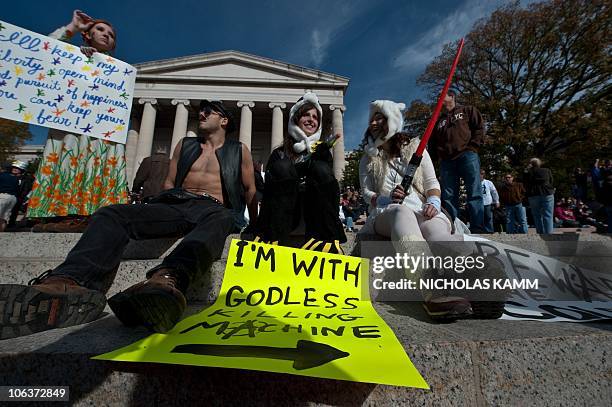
{"type": "Point", "coordinates": [305, 355]}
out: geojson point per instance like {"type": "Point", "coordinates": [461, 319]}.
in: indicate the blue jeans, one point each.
{"type": "Point", "coordinates": [488, 218]}
{"type": "Point", "coordinates": [516, 214]}
{"type": "Point", "coordinates": [349, 222]}
{"type": "Point", "coordinates": [542, 212]}
{"type": "Point", "coordinates": [466, 166]}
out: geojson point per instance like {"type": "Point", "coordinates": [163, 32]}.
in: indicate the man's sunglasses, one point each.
{"type": "Point", "coordinates": [207, 111]}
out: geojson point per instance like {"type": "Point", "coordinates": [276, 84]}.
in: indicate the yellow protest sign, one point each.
{"type": "Point", "coordinates": [289, 311]}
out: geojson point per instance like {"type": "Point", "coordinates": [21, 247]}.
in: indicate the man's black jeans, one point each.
{"type": "Point", "coordinates": [205, 225]}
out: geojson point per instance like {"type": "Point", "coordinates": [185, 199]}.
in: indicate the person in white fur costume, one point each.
{"type": "Point", "coordinates": [298, 184]}
{"type": "Point", "coordinates": [406, 217]}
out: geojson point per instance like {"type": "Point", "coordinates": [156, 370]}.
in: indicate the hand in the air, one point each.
{"type": "Point", "coordinates": [81, 22]}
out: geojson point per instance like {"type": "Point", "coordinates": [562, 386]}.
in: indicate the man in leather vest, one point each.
{"type": "Point", "coordinates": [207, 185]}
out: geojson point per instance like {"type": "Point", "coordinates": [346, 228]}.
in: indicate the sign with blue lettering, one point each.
{"type": "Point", "coordinates": [50, 83]}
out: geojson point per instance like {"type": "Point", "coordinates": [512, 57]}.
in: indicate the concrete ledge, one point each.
{"type": "Point", "coordinates": [501, 363]}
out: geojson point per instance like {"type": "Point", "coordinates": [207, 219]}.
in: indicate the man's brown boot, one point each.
{"type": "Point", "coordinates": [156, 303]}
{"type": "Point", "coordinates": [47, 302]}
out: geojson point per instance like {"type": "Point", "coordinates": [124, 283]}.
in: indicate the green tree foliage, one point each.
{"type": "Point", "coordinates": [12, 135]}
{"type": "Point", "coordinates": [541, 77]}
{"type": "Point", "coordinates": [416, 118]}
{"type": "Point", "coordinates": [351, 170]}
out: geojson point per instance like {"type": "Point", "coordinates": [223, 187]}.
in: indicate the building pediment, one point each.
{"type": "Point", "coordinates": [234, 66]}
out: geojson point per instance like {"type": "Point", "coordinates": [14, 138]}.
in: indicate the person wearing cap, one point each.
{"type": "Point", "coordinates": [210, 179]}
{"type": "Point", "coordinates": [78, 173]}
{"type": "Point", "coordinates": [301, 183]}
{"type": "Point", "coordinates": [406, 217]}
{"type": "Point", "coordinates": [9, 190]}
{"type": "Point", "coordinates": [456, 140]}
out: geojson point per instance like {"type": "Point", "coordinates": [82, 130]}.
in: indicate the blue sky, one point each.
{"type": "Point", "coordinates": [381, 45]}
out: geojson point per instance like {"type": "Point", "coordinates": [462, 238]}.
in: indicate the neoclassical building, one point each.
{"type": "Point", "coordinates": [259, 91]}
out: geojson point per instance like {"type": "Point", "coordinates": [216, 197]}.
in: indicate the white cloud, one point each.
{"type": "Point", "coordinates": [451, 28]}
{"type": "Point", "coordinates": [319, 42]}
{"type": "Point", "coordinates": [334, 17]}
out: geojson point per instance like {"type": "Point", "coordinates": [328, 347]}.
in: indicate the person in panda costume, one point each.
{"type": "Point", "coordinates": [301, 183]}
{"type": "Point", "coordinates": [406, 217]}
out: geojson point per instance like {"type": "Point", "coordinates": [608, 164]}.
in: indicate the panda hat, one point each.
{"type": "Point", "coordinates": [395, 120]}
{"type": "Point", "coordinates": [303, 142]}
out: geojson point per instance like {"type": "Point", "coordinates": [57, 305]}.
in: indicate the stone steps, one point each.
{"type": "Point", "coordinates": [24, 256]}
{"type": "Point", "coordinates": [466, 363]}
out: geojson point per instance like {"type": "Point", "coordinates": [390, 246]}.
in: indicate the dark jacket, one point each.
{"type": "Point", "coordinates": [151, 175]}
{"type": "Point", "coordinates": [9, 184]}
{"type": "Point", "coordinates": [457, 131]}
{"type": "Point", "coordinates": [511, 194]}
{"type": "Point", "coordinates": [259, 185]}
{"type": "Point", "coordinates": [606, 193]}
{"type": "Point", "coordinates": [539, 182]}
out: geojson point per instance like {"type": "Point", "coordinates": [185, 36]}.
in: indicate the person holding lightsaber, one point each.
{"type": "Point", "coordinates": [410, 217]}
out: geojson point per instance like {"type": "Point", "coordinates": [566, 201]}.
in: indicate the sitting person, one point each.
{"type": "Point", "coordinates": [209, 180]}
{"type": "Point", "coordinates": [564, 215]}
{"type": "Point", "coordinates": [298, 184]}
{"type": "Point", "coordinates": [9, 191]}
{"type": "Point", "coordinates": [347, 212]}
{"type": "Point", "coordinates": [406, 217]}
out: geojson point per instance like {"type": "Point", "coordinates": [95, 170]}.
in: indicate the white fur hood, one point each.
{"type": "Point", "coordinates": [395, 120]}
{"type": "Point", "coordinates": [303, 142]}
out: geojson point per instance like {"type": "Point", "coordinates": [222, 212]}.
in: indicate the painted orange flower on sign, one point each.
{"type": "Point", "coordinates": [53, 158]}
{"type": "Point", "coordinates": [78, 178]}
{"type": "Point", "coordinates": [34, 202]}
{"type": "Point", "coordinates": [63, 211]}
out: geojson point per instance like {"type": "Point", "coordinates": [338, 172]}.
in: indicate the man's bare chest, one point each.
{"type": "Point", "coordinates": [207, 162]}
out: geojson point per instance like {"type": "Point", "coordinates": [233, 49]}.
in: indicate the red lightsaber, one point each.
{"type": "Point", "coordinates": [415, 160]}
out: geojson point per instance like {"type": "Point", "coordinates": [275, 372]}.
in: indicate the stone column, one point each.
{"type": "Point", "coordinates": [338, 150]}
{"type": "Point", "coordinates": [147, 129]}
{"type": "Point", "coordinates": [277, 124]}
{"type": "Point", "coordinates": [246, 122]}
{"type": "Point", "coordinates": [180, 122]}
{"type": "Point", "coordinates": [130, 151]}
